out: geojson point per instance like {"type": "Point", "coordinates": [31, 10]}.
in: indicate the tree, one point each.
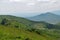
{"type": "Point", "coordinates": [5, 22]}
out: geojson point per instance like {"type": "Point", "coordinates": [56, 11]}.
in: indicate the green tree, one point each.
{"type": "Point", "coordinates": [5, 22]}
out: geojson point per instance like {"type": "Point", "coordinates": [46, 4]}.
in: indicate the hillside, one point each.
{"type": "Point", "coordinates": [47, 17]}
{"type": "Point", "coordinates": [17, 28]}
{"type": "Point", "coordinates": [25, 22]}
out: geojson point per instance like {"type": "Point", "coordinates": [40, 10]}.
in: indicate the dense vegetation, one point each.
{"type": "Point", "coordinates": [17, 28]}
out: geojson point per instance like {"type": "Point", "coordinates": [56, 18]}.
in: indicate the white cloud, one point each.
{"type": "Point", "coordinates": [19, 6]}
{"type": "Point", "coordinates": [21, 0]}
{"type": "Point", "coordinates": [47, 1]}
{"type": "Point", "coordinates": [43, 0]}
{"type": "Point", "coordinates": [30, 4]}
{"type": "Point", "coordinates": [15, 0]}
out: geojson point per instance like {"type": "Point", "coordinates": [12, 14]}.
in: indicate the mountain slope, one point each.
{"type": "Point", "coordinates": [8, 33]}
{"type": "Point", "coordinates": [17, 28]}
{"type": "Point", "coordinates": [19, 21]}
{"type": "Point", "coordinates": [47, 17]}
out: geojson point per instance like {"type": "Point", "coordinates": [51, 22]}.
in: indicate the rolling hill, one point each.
{"type": "Point", "coordinates": [18, 28]}
{"type": "Point", "coordinates": [47, 17]}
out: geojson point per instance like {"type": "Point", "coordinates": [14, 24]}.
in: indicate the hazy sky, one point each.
{"type": "Point", "coordinates": [28, 7]}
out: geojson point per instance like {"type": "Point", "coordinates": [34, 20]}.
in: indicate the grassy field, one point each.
{"type": "Point", "coordinates": [9, 33]}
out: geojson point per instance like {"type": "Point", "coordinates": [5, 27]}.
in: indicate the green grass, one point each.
{"type": "Point", "coordinates": [8, 33]}
{"type": "Point", "coordinates": [11, 33]}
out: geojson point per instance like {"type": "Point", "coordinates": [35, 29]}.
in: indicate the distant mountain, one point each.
{"type": "Point", "coordinates": [56, 12]}
{"type": "Point", "coordinates": [47, 17]}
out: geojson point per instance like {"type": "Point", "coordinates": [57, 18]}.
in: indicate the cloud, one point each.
{"type": "Point", "coordinates": [43, 0]}
{"type": "Point", "coordinates": [21, 0]}
{"type": "Point", "coordinates": [28, 6]}
{"type": "Point", "coordinates": [15, 0]}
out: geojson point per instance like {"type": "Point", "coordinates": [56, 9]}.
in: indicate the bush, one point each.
{"type": "Point", "coordinates": [18, 37]}
{"type": "Point", "coordinates": [27, 39]}
{"type": "Point", "coordinates": [4, 21]}
{"type": "Point", "coordinates": [31, 30]}
{"type": "Point", "coordinates": [16, 26]}
{"type": "Point", "coordinates": [38, 32]}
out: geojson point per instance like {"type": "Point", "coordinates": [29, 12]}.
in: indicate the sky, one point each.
{"type": "Point", "coordinates": [27, 7]}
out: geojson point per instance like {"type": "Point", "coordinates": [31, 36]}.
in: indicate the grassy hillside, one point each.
{"type": "Point", "coordinates": [17, 28]}
{"type": "Point", "coordinates": [8, 33]}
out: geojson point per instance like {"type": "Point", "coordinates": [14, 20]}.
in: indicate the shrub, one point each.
{"type": "Point", "coordinates": [37, 32]}
{"type": "Point", "coordinates": [5, 22]}
{"type": "Point", "coordinates": [31, 30]}
{"type": "Point", "coordinates": [16, 26]}
{"type": "Point", "coordinates": [27, 39]}
{"type": "Point", "coordinates": [18, 37]}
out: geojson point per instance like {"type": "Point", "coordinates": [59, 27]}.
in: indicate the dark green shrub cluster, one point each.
{"type": "Point", "coordinates": [18, 37]}
{"type": "Point", "coordinates": [5, 22]}
{"type": "Point", "coordinates": [16, 26]}
{"type": "Point", "coordinates": [31, 30]}
{"type": "Point", "coordinates": [27, 39]}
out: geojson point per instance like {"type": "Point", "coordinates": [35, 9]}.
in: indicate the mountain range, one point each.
{"type": "Point", "coordinates": [47, 17]}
